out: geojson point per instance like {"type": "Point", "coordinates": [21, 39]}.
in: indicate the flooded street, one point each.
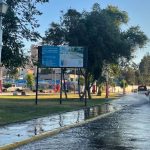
{"type": "Point", "coordinates": [127, 129]}
{"type": "Point", "coordinates": [18, 132]}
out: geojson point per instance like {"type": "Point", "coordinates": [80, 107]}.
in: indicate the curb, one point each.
{"type": "Point", "coordinates": [54, 132]}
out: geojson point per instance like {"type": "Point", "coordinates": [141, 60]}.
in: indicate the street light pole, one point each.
{"type": "Point", "coordinates": [3, 10]}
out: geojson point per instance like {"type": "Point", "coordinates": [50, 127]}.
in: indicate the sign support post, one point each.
{"type": "Point", "coordinates": [61, 57]}
{"type": "Point", "coordinates": [85, 92]}
{"type": "Point", "coordinates": [37, 84]}
{"type": "Point", "coordinates": [86, 76]}
{"type": "Point", "coordinates": [61, 86]}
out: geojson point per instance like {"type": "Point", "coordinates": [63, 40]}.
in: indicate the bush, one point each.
{"type": "Point", "coordinates": [7, 85]}
{"type": "Point", "coordinates": [123, 84]}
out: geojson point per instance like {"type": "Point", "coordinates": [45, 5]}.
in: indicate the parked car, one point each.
{"type": "Point", "coordinates": [142, 89]}
{"type": "Point", "coordinates": [14, 88]}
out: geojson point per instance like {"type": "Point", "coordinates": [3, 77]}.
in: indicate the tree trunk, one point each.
{"type": "Point", "coordinates": [99, 93]}
{"type": "Point", "coordinates": [88, 86]}
{"type": "Point", "coordinates": [124, 90]}
{"type": "Point", "coordinates": [89, 93]}
{"type": "Point", "coordinates": [79, 90]}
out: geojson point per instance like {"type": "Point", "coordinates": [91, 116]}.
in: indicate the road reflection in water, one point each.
{"type": "Point", "coordinates": [128, 129]}
{"type": "Point", "coordinates": [21, 131]}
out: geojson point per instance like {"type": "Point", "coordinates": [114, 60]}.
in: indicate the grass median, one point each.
{"type": "Point", "coordinates": [22, 108]}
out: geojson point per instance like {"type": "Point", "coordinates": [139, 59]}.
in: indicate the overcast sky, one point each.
{"type": "Point", "coordinates": [138, 11]}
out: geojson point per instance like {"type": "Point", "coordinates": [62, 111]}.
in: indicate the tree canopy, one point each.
{"type": "Point", "coordinates": [30, 80]}
{"type": "Point", "coordinates": [19, 23]}
{"type": "Point", "coordinates": [144, 69]}
{"type": "Point", "coordinates": [100, 31]}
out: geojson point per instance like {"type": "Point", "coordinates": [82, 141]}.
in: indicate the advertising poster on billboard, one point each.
{"type": "Point", "coordinates": [71, 56]}
{"type": "Point", "coordinates": [61, 56]}
{"type": "Point", "coordinates": [50, 56]}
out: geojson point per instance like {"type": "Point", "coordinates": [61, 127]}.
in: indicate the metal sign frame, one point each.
{"type": "Point", "coordinates": [39, 65]}
{"type": "Point", "coordinates": [55, 57]}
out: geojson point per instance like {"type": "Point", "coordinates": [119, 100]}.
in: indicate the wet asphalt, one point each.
{"type": "Point", "coordinates": [127, 129]}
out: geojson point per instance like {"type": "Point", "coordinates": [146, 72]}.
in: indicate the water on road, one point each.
{"type": "Point", "coordinates": [128, 129]}
{"type": "Point", "coordinates": [21, 131]}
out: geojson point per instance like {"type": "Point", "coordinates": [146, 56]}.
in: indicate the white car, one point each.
{"type": "Point", "coordinates": [12, 89]}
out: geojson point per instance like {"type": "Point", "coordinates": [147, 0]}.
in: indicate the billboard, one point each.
{"type": "Point", "coordinates": [61, 56]}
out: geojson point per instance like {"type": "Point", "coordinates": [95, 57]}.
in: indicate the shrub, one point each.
{"type": "Point", "coordinates": [7, 85]}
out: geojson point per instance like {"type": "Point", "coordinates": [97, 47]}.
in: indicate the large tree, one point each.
{"type": "Point", "coordinates": [144, 69]}
{"type": "Point", "coordinates": [100, 31]}
{"type": "Point", "coordinates": [30, 80]}
{"type": "Point", "coordinates": [19, 23]}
